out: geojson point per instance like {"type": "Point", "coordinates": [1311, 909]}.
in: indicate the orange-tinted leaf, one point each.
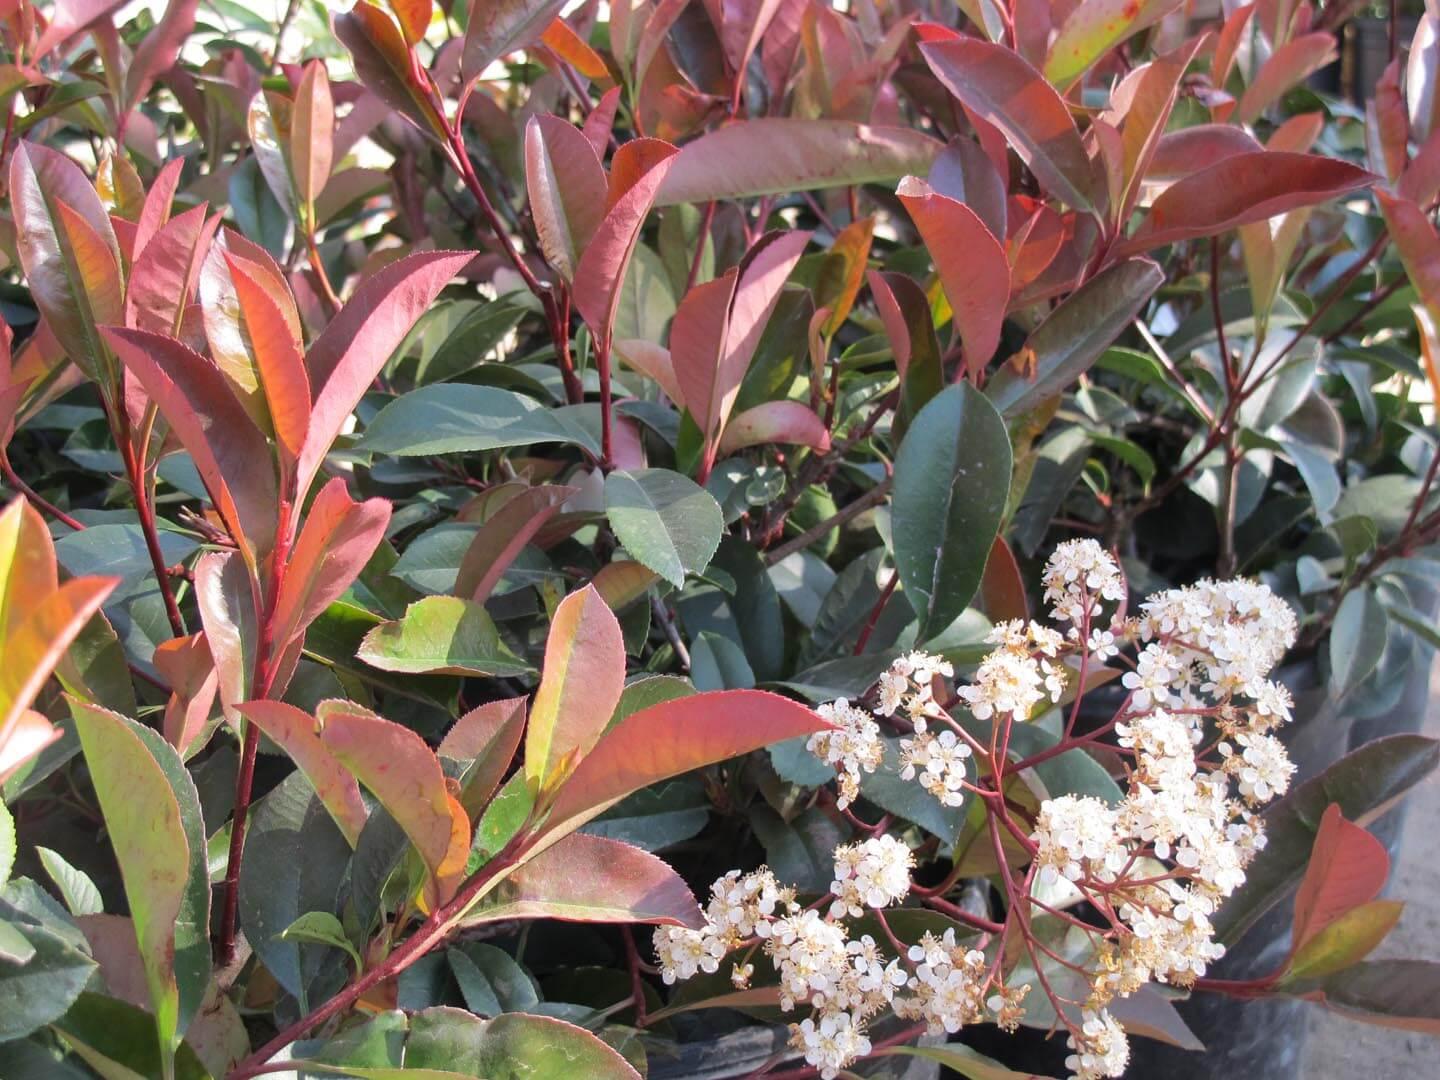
{"type": "Point", "coordinates": [165, 273]}
{"type": "Point", "coordinates": [789, 422]}
{"type": "Point", "coordinates": [697, 349]}
{"type": "Point", "coordinates": [43, 181]}
{"type": "Point", "coordinates": [852, 244]}
{"type": "Point", "coordinates": [1419, 247]}
{"type": "Point", "coordinates": [1227, 44]}
{"type": "Point", "coordinates": [1287, 66]}
{"type": "Point", "coordinates": [567, 188]}
{"type": "Point", "coordinates": [1241, 189]}
{"type": "Point", "coordinates": [275, 352]}
{"type": "Point", "coordinates": [591, 879]}
{"type": "Point", "coordinates": [230, 452]}
{"type": "Point", "coordinates": [335, 543]}
{"type": "Point", "coordinates": [622, 582]}
{"type": "Point", "coordinates": [580, 686]}
{"type": "Point", "coordinates": [1347, 868]}
{"type": "Point", "coordinates": [29, 734]}
{"type": "Point", "coordinates": [671, 738]}
{"type": "Point", "coordinates": [502, 537]}
{"type": "Point", "coordinates": [355, 345]}
{"type": "Point", "coordinates": [405, 776]}
{"type": "Point", "coordinates": [499, 26]}
{"type": "Point", "coordinates": [297, 733]}
{"type": "Point", "coordinates": [1345, 941]}
{"type": "Point", "coordinates": [382, 61]}
{"type": "Point", "coordinates": [570, 47]}
{"type": "Point", "coordinates": [652, 360]}
{"type": "Point", "coordinates": [971, 263]}
{"type": "Point", "coordinates": [186, 664]}
{"type": "Point", "coordinates": [485, 740]}
{"type": "Point", "coordinates": [226, 601]}
{"type": "Point", "coordinates": [413, 17]}
{"type": "Point", "coordinates": [1000, 87]}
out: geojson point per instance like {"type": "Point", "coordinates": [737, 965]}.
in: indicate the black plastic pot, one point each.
{"type": "Point", "coordinates": [741, 1052]}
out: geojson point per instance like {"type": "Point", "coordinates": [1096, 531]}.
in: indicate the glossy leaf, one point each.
{"type": "Point", "coordinates": [996, 84]}
{"type": "Point", "coordinates": [666, 521]}
{"type": "Point", "coordinates": [405, 776]}
{"type": "Point", "coordinates": [498, 27]}
{"type": "Point", "coordinates": [787, 422]}
{"type": "Point", "coordinates": [580, 685]}
{"type": "Point", "coordinates": [952, 478]}
{"type": "Point", "coordinates": [503, 535]}
{"type": "Point", "coordinates": [382, 61]}
{"type": "Point", "coordinates": [1093, 28]}
{"type": "Point", "coordinates": [567, 187]}
{"type": "Point", "coordinates": [1288, 65]}
{"type": "Point", "coordinates": [1345, 940]}
{"type": "Point", "coordinates": [485, 740]}
{"type": "Point", "coordinates": [441, 635]}
{"type": "Point", "coordinates": [450, 418]}
{"type": "Point", "coordinates": [312, 136]}
{"type": "Point", "coordinates": [971, 263]}
{"type": "Point", "coordinates": [227, 611]}
{"type": "Point", "coordinates": [1364, 784]}
{"type": "Point", "coordinates": [1357, 639]}
{"type": "Point", "coordinates": [1074, 335]}
{"type": "Point", "coordinates": [591, 879]}
{"type": "Point", "coordinates": [671, 738]}
{"type": "Point", "coordinates": [1240, 189]}
{"type": "Point", "coordinates": [1348, 867]}
{"type": "Point", "coordinates": [773, 155]}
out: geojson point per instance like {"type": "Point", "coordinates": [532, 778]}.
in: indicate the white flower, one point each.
{"type": "Point", "coordinates": [832, 1044]}
{"type": "Point", "coordinates": [1078, 576]}
{"type": "Point", "coordinates": [810, 954]}
{"type": "Point", "coordinates": [1101, 1048]}
{"type": "Point", "coordinates": [1262, 767]}
{"type": "Point", "coordinates": [947, 989]}
{"type": "Point", "coordinates": [1156, 670]}
{"type": "Point", "coordinates": [875, 873]}
{"type": "Point", "coordinates": [742, 906]}
{"type": "Point", "coordinates": [940, 761]}
{"type": "Point", "coordinates": [1008, 682]}
{"type": "Point", "coordinates": [683, 952]}
{"type": "Point", "coordinates": [1077, 838]}
{"type": "Point", "coordinates": [854, 744]}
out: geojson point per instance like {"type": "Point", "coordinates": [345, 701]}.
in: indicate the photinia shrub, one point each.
{"type": "Point", "coordinates": [480, 471]}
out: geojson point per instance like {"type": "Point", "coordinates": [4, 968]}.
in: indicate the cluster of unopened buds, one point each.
{"type": "Point", "coordinates": [1196, 735]}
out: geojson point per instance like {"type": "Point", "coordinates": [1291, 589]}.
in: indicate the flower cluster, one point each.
{"type": "Point", "coordinates": [1196, 734]}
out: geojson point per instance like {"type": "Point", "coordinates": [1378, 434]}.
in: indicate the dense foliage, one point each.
{"type": "Point", "coordinates": [482, 473]}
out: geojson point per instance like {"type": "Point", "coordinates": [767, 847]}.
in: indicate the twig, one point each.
{"type": "Point", "coordinates": [873, 497]}
{"type": "Point", "coordinates": [44, 505]}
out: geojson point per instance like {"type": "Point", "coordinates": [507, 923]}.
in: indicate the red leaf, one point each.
{"type": "Point", "coordinates": [697, 348]}
{"type": "Point", "coordinates": [580, 686]}
{"type": "Point", "coordinates": [68, 18]}
{"type": "Point", "coordinates": [156, 211]}
{"type": "Point", "coordinates": [1241, 189]}
{"type": "Point", "coordinates": [567, 188]}
{"type": "Point", "coordinates": [776, 422]}
{"type": "Point", "coordinates": [1188, 151]}
{"type": "Point", "coordinates": [1421, 179]}
{"type": "Point", "coordinates": [158, 50]}
{"type": "Point", "coordinates": [1422, 77]}
{"type": "Point", "coordinates": [971, 263]}
{"type": "Point", "coordinates": [413, 17]}
{"type": "Point", "coordinates": [1347, 868]}
{"type": "Point", "coordinates": [230, 452]}
{"type": "Point", "coordinates": [1002, 588]}
{"type": "Point", "coordinates": [1288, 65]}
{"type": "Point", "coordinates": [502, 537]}
{"type": "Point", "coordinates": [335, 543]}
{"type": "Point", "coordinates": [671, 738]}
{"type": "Point", "coordinates": [965, 173]}
{"type": "Point", "coordinates": [654, 361]}
{"type": "Point", "coordinates": [226, 601]}
{"type": "Point", "coordinates": [1146, 98]}
{"type": "Point", "coordinates": [312, 135]}
{"type": "Point", "coordinates": [1419, 247]}
{"type": "Point", "coordinates": [602, 267]}
{"type": "Point", "coordinates": [591, 879]}
{"type": "Point", "coordinates": [1004, 90]}
{"type": "Point", "coordinates": [164, 275]}
{"type": "Point", "coordinates": [405, 776]}
{"type": "Point", "coordinates": [1387, 129]}
{"type": "Point", "coordinates": [275, 351]}
{"type": "Point", "coordinates": [296, 733]}
{"type": "Point", "coordinates": [355, 345]}
{"type": "Point", "coordinates": [601, 121]}
{"type": "Point", "coordinates": [775, 155]}
{"type": "Point", "coordinates": [486, 739]}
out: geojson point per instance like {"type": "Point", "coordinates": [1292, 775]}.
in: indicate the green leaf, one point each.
{"type": "Point", "coordinates": [1345, 941]}
{"type": "Point", "coordinates": [1402, 994]}
{"type": "Point", "coordinates": [441, 635]}
{"type": "Point", "coordinates": [7, 844]}
{"type": "Point", "coordinates": [656, 817]}
{"type": "Point", "coordinates": [1365, 783]}
{"type": "Point", "coordinates": [666, 521]}
{"type": "Point", "coordinates": [1357, 639]}
{"type": "Point", "coordinates": [451, 419]}
{"type": "Point", "coordinates": [322, 928]}
{"type": "Point", "coordinates": [117, 1040]}
{"type": "Point", "coordinates": [142, 816]}
{"type": "Point", "coordinates": [907, 799]}
{"type": "Point", "coordinates": [717, 663]}
{"type": "Point", "coordinates": [76, 889]}
{"type": "Point", "coordinates": [490, 980]}
{"type": "Point", "coordinates": [1074, 335]}
{"type": "Point", "coordinates": [41, 989]}
{"type": "Point", "coordinates": [952, 477]}
{"type": "Point", "coordinates": [513, 1046]}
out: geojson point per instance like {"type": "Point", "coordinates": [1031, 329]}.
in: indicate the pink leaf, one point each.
{"type": "Point", "coordinates": [1288, 65]}
{"type": "Point", "coordinates": [697, 347]}
{"type": "Point", "coordinates": [567, 189]}
{"type": "Point", "coordinates": [227, 611]}
{"type": "Point", "coordinates": [68, 18]}
{"type": "Point", "coordinates": [164, 274]}
{"type": "Point", "coordinates": [591, 879]}
{"type": "Point", "coordinates": [186, 664]}
{"type": "Point", "coordinates": [652, 360]}
{"type": "Point", "coordinates": [1347, 868]}
{"type": "Point", "coordinates": [296, 733]}
{"type": "Point", "coordinates": [775, 422]}
{"type": "Point", "coordinates": [502, 537]}
{"type": "Point", "coordinates": [1190, 150]}
{"type": "Point", "coordinates": [158, 50]}
{"type": "Point", "coordinates": [158, 201]}
{"type": "Point", "coordinates": [485, 739]}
